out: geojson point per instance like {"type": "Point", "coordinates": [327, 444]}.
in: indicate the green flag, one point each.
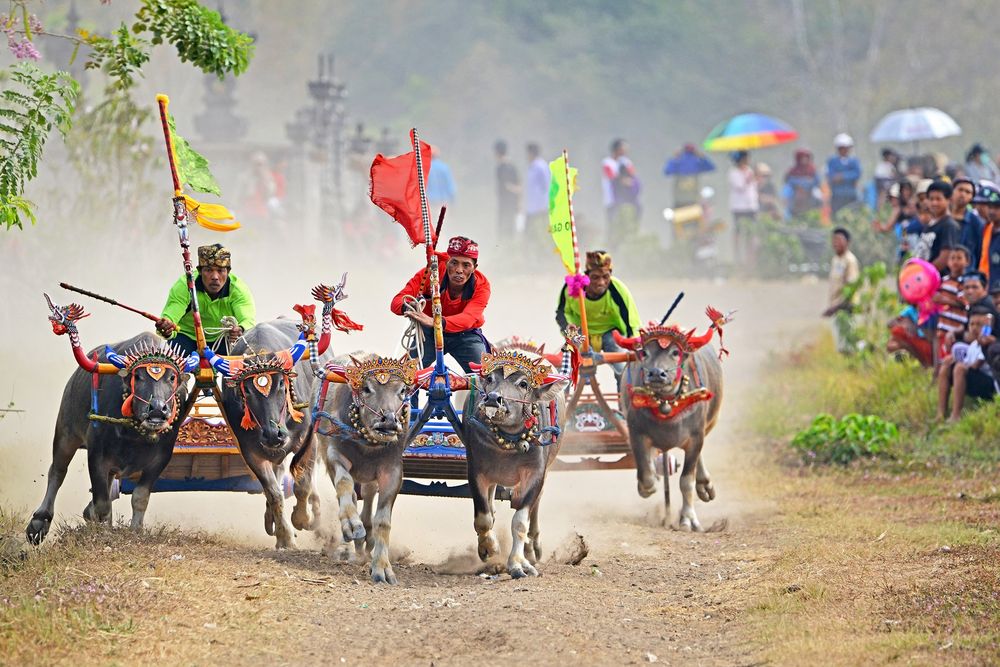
{"type": "Point", "coordinates": [192, 167]}
{"type": "Point", "coordinates": [560, 222]}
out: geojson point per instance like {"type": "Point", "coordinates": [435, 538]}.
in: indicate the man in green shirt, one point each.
{"type": "Point", "coordinates": [219, 293]}
{"type": "Point", "coordinates": [609, 307]}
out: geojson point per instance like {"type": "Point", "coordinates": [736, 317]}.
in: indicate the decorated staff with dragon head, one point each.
{"type": "Point", "coordinates": [465, 293]}
{"type": "Point", "coordinates": [671, 397]}
{"type": "Point", "coordinates": [225, 302]}
{"type": "Point", "coordinates": [608, 303]}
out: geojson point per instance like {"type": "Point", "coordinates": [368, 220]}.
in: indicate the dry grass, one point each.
{"type": "Point", "coordinates": [875, 568]}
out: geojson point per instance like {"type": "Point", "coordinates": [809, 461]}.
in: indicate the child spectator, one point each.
{"type": "Point", "coordinates": [965, 372]}
{"type": "Point", "coordinates": [952, 317]}
{"type": "Point", "coordinates": [974, 292]}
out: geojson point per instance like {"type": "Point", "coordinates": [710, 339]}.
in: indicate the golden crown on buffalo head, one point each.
{"type": "Point", "coordinates": [382, 369]}
{"type": "Point", "coordinates": [665, 335]}
{"type": "Point", "coordinates": [512, 361]}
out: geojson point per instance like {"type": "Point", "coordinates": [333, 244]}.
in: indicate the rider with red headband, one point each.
{"type": "Point", "coordinates": [464, 295]}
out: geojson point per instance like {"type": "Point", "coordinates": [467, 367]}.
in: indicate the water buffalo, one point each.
{"type": "Point", "coordinates": [139, 408]}
{"type": "Point", "coordinates": [362, 435]}
{"type": "Point", "coordinates": [671, 397]}
{"type": "Point", "coordinates": [259, 403]}
{"type": "Point", "coordinates": [510, 428]}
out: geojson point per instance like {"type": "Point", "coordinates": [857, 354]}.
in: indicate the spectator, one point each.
{"type": "Point", "coordinates": [743, 202]}
{"type": "Point", "coordinates": [979, 166]}
{"type": "Point", "coordinates": [801, 189]}
{"type": "Point", "coordinates": [965, 372]}
{"type": "Point", "coordinates": [440, 184]}
{"type": "Point", "coordinates": [952, 318]}
{"type": "Point", "coordinates": [685, 167]}
{"type": "Point", "coordinates": [843, 171]}
{"type": "Point", "coordinates": [508, 191]}
{"type": "Point", "coordinates": [621, 188]}
{"type": "Point", "coordinates": [767, 193]}
{"type": "Point", "coordinates": [940, 234]}
{"type": "Point", "coordinates": [989, 258]}
{"type": "Point", "coordinates": [536, 201]}
{"type": "Point", "coordinates": [844, 270]}
{"type": "Point", "coordinates": [970, 225]}
{"type": "Point", "coordinates": [886, 173]}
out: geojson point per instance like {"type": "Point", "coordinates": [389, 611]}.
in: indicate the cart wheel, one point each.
{"type": "Point", "coordinates": [116, 489]}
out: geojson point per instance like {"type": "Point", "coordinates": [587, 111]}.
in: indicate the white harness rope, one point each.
{"type": "Point", "coordinates": [413, 337]}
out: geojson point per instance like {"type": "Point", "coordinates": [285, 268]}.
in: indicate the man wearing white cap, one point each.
{"type": "Point", "coordinates": [843, 171]}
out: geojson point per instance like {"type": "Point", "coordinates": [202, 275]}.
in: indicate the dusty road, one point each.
{"type": "Point", "coordinates": [643, 594]}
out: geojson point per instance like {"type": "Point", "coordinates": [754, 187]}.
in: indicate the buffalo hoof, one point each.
{"type": "Point", "coordinates": [689, 523]}
{"type": "Point", "coordinates": [488, 547]}
{"type": "Point", "coordinates": [269, 521]}
{"type": "Point", "coordinates": [37, 529]}
{"type": "Point", "coordinates": [384, 575]}
{"type": "Point", "coordinates": [532, 551]}
{"type": "Point", "coordinates": [646, 491]}
{"type": "Point", "coordinates": [522, 570]}
{"type": "Point", "coordinates": [302, 517]}
{"type": "Point", "coordinates": [705, 489]}
{"type": "Point", "coordinates": [285, 542]}
{"type": "Point", "coordinates": [352, 530]}
{"type": "Point", "coordinates": [89, 513]}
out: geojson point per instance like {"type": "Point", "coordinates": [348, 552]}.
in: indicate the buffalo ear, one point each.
{"type": "Point", "coordinates": [549, 392]}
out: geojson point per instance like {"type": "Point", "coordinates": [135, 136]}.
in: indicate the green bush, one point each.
{"type": "Point", "coordinates": [817, 380]}
{"type": "Point", "coordinates": [854, 436]}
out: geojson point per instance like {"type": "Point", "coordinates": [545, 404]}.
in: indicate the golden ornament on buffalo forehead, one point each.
{"type": "Point", "coordinates": [667, 335]}
{"type": "Point", "coordinates": [511, 361]}
{"type": "Point", "coordinates": [382, 369]}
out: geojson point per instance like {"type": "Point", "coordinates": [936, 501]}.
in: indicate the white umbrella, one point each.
{"type": "Point", "coordinates": [915, 125]}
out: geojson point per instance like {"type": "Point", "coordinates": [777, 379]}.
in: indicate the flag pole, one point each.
{"type": "Point", "coordinates": [576, 257]}
{"type": "Point", "coordinates": [432, 259]}
{"type": "Point", "coordinates": [181, 220]}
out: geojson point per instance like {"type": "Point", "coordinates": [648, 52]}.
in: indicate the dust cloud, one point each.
{"type": "Point", "coordinates": [36, 365]}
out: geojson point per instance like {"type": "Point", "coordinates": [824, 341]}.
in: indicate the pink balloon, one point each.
{"type": "Point", "coordinates": [918, 282]}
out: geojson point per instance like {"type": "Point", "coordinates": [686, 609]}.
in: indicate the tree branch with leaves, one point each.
{"type": "Point", "coordinates": [40, 102]}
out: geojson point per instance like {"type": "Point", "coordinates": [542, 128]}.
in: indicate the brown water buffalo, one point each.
{"type": "Point", "coordinates": [362, 433]}
{"type": "Point", "coordinates": [510, 428]}
{"type": "Point", "coordinates": [671, 398]}
{"type": "Point", "coordinates": [138, 411]}
{"type": "Point", "coordinates": [259, 400]}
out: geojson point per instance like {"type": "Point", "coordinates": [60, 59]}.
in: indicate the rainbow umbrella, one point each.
{"type": "Point", "coordinates": [749, 131]}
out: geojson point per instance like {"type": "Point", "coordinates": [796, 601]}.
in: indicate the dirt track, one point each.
{"type": "Point", "coordinates": [643, 594]}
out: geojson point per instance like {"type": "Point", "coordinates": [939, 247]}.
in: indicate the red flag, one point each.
{"type": "Point", "coordinates": [394, 189]}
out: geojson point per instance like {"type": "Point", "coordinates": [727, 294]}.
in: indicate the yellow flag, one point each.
{"type": "Point", "coordinates": [560, 222]}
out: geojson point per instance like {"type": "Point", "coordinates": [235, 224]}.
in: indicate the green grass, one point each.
{"type": "Point", "coordinates": [817, 379]}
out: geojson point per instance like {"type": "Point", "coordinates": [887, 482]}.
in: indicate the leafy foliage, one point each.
{"type": "Point", "coordinates": [121, 57]}
{"type": "Point", "coordinates": [854, 436]}
{"type": "Point", "coordinates": [27, 115]}
{"type": "Point", "coordinates": [864, 327]}
{"type": "Point", "coordinates": [198, 34]}
{"type": "Point", "coordinates": [112, 153]}
{"type": "Point", "coordinates": [112, 132]}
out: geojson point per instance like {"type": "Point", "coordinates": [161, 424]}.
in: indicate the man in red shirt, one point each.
{"type": "Point", "coordinates": [464, 295]}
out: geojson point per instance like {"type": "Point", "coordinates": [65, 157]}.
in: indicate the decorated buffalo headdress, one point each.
{"type": "Point", "coordinates": [155, 361]}
{"type": "Point", "coordinates": [536, 371]}
{"type": "Point", "coordinates": [216, 255]}
{"type": "Point", "coordinates": [260, 370]}
{"type": "Point", "coordinates": [381, 369]}
{"type": "Point", "coordinates": [687, 341]}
